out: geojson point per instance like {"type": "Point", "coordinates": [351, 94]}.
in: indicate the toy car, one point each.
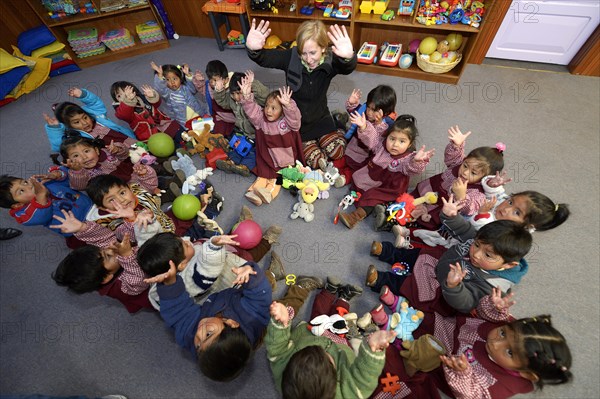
{"type": "Point", "coordinates": [388, 15]}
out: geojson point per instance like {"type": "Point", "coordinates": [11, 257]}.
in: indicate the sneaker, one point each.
{"type": "Point", "coordinates": [376, 248]}
{"type": "Point", "coordinates": [333, 285]}
{"type": "Point", "coordinates": [403, 242]}
{"type": "Point", "coordinates": [379, 316]}
{"type": "Point", "coordinates": [309, 283]}
{"type": "Point", "coordinates": [371, 276]}
{"type": "Point", "coordinates": [349, 291]}
{"type": "Point", "coordinates": [275, 272]}
{"type": "Point", "coordinates": [272, 234]}
{"type": "Point", "coordinates": [380, 216]}
{"type": "Point", "coordinates": [245, 214]}
{"type": "Point", "coordinates": [340, 181]}
{"type": "Point", "coordinates": [228, 166]}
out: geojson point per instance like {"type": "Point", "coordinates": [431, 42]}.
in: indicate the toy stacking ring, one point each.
{"type": "Point", "coordinates": [290, 279]}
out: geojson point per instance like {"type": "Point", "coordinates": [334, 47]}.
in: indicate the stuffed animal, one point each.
{"type": "Point", "coordinates": [303, 210]}
{"type": "Point", "coordinates": [184, 163]}
{"type": "Point", "coordinates": [291, 175]}
{"type": "Point", "coordinates": [317, 176]}
{"type": "Point", "coordinates": [310, 189]}
{"type": "Point", "coordinates": [138, 152]}
{"type": "Point", "coordinates": [202, 141]}
{"type": "Point", "coordinates": [348, 200]}
{"type": "Point", "coordinates": [191, 184]}
{"type": "Point", "coordinates": [334, 323]}
{"type": "Point", "coordinates": [331, 174]}
{"type": "Point", "coordinates": [208, 223]}
{"type": "Point", "coordinates": [405, 321]}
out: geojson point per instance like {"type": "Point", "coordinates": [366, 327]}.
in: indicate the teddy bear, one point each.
{"type": "Point", "coordinates": [303, 210]}
{"type": "Point", "coordinates": [203, 141]}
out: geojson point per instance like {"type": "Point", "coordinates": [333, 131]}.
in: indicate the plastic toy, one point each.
{"type": "Point", "coordinates": [406, 320]}
{"type": "Point", "coordinates": [303, 210]}
{"type": "Point", "coordinates": [345, 203]}
{"type": "Point", "coordinates": [456, 16]}
{"type": "Point", "coordinates": [328, 10]}
{"type": "Point", "coordinates": [161, 145]}
{"type": "Point", "coordinates": [388, 15]}
{"type": "Point", "coordinates": [236, 39]}
{"type": "Point", "coordinates": [428, 45]}
{"type": "Point", "coordinates": [165, 19]}
{"type": "Point", "coordinates": [248, 234]}
{"type": "Point", "coordinates": [138, 152]}
{"type": "Point", "coordinates": [380, 6]}
{"type": "Point", "coordinates": [343, 13]}
{"type": "Point", "coordinates": [307, 10]}
{"type": "Point", "coordinates": [291, 175]}
{"type": "Point", "coordinates": [361, 110]}
{"type": "Point", "coordinates": [367, 53]}
{"type": "Point", "coordinates": [240, 144]}
{"type": "Point", "coordinates": [334, 323]}
{"type": "Point", "coordinates": [454, 41]}
{"type": "Point", "coordinates": [198, 123]}
{"type": "Point", "coordinates": [214, 155]}
{"type": "Point", "coordinates": [186, 206]}
{"type": "Point", "coordinates": [405, 61]}
{"type": "Point", "coordinates": [346, 4]}
{"type": "Point", "coordinates": [402, 211]}
{"type": "Point", "coordinates": [407, 7]}
{"type": "Point", "coordinates": [331, 173]}
{"type": "Point", "coordinates": [413, 46]}
{"type": "Point", "coordinates": [366, 6]}
{"type": "Point", "coordinates": [390, 54]}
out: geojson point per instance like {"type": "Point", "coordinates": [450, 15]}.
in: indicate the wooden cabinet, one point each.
{"type": "Point", "coordinates": [402, 29]}
{"type": "Point", "coordinates": [103, 22]}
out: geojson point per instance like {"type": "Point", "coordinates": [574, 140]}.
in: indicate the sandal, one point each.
{"type": "Point", "coordinates": [8, 233]}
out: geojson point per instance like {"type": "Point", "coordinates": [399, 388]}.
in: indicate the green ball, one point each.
{"type": "Point", "coordinates": [161, 145]}
{"type": "Point", "coordinates": [186, 206]}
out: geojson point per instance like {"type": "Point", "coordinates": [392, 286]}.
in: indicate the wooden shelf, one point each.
{"type": "Point", "coordinates": [402, 29]}
{"type": "Point", "coordinates": [103, 22]}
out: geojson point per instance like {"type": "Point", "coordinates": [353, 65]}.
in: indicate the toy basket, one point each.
{"type": "Point", "coordinates": [434, 67]}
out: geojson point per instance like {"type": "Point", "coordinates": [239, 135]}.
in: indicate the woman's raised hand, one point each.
{"type": "Point", "coordinates": [257, 35]}
{"type": "Point", "coordinates": [342, 45]}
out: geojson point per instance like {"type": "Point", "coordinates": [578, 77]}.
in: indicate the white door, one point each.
{"type": "Point", "coordinates": [545, 31]}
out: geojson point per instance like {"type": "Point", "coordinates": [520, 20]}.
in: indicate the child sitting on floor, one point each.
{"type": "Point", "coordinates": [278, 143]}
{"type": "Point", "coordinates": [90, 119]}
{"type": "Point", "coordinates": [105, 265]}
{"type": "Point", "coordinates": [224, 119]}
{"type": "Point", "coordinates": [36, 200]}
{"type": "Point", "coordinates": [222, 332]}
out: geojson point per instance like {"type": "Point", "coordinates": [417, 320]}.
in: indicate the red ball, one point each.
{"type": "Point", "coordinates": [248, 234]}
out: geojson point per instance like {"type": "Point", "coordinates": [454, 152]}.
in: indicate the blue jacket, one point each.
{"type": "Point", "coordinates": [93, 105]}
{"type": "Point", "coordinates": [61, 196]}
{"type": "Point", "coordinates": [249, 306]}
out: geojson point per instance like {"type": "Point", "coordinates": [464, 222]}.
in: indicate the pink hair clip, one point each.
{"type": "Point", "coordinates": [500, 146]}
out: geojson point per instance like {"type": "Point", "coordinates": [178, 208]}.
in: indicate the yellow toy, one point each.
{"type": "Point", "coordinates": [310, 188]}
{"type": "Point", "coordinates": [366, 6]}
{"type": "Point", "coordinates": [380, 6]}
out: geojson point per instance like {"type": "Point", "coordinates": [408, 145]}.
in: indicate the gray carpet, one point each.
{"type": "Point", "coordinates": [58, 343]}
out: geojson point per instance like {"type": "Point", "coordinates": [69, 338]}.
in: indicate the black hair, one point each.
{"type": "Point", "coordinates": [406, 124]}
{"type": "Point", "coordinates": [154, 255]}
{"type": "Point", "coordinates": [542, 213]}
{"type": "Point", "coordinates": [491, 157]}
{"type": "Point", "coordinates": [544, 349]}
{"type": "Point", "coordinates": [226, 358]}
{"type": "Point", "coordinates": [98, 187]}
{"type": "Point", "coordinates": [272, 95]}
{"type": "Point", "coordinates": [174, 69]}
{"type": "Point", "coordinates": [309, 374]}
{"type": "Point", "coordinates": [71, 138]}
{"type": "Point", "coordinates": [234, 82]}
{"type": "Point", "coordinates": [382, 97]}
{"type": "Point", "coordinates": [6, 198]}
{"type": "Point", "coordinates": [82, 270]}
{"type": "Point", "coordinates": [66, 110]}
{"type": "Point", "coordinates": [508, 238]}
{"type": "Point", "coordinates": [121, 85]}
{"type": "Point", "coordinates": [216, 68]}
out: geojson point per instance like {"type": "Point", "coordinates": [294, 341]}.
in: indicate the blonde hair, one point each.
{"type": "Point", "coordinates": [313, 29]}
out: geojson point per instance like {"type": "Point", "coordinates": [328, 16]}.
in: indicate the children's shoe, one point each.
{"type": "Point", "coordinates": [174, 188]}
{"type": "Point", "coordinates": [340, 181]}
{"type": "Point", "coordinates": [402, 237]}
{"type": "Point", "coordinates": [272, 234]}
{"type": "Point", "coordinates": [180, 177]}
{"type": "Point", "coordinates": [376, 248]}
{"type": "Point", "coordinates": [252, 197]}
{"type": "Point", "coordinates": [309, 283]}
{"type": "Point", "coordinates": [387, 297]}
{"type": "Point", "coordinates": [351, 219]}
{"type": "Point", "coordinates": [333, 285]}
{"type": "Point", "coordinates": [270, 192]}
{"type": "Point", "coordinates": [245, 214]}
{"type": "Point", "coordinates": [228, 166]}
{"type": "Point", "coordinates": [275, 272]}
{"type": "Point", "coordinates": [380, 216]}
{"type": "Point", "coordinates": [349, 291]}
{"type": "Point", "coordinates": [371, 278]}
{"type": "Point", "coordinates": [379, 316]}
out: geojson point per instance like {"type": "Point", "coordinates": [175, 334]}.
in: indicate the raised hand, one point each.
{"type": "Point", "coordinates": [50, 120]}
{"type": "Point", "coordinates": [257, 35]}
{"type": "Point", "coordinates": [285, 96]}
{"type": "Point", "coordinates": [455, 275]}
{"type": "Point", "coordinates": [243, 274]}
{"type": "Point", "coordinates": [69, 224]}
{"type": "Point", "coordinates": [121, 212]}
{"type": "Point", "coordinates": [249, 75]}
{"type": "Point", "coordinates": [342, 45]}
{"type": "Point", "coordinates": [487, 205]}
{"type": "Point", "coordinates": [279, 312]}
{"type": "Point", "coordinates": [148, 91]}
{"type": "Point", "coordinates": [380, 340]}
{"type": "Point", "coordinates": [500, 303]}
{"type": "Point", "coordinates": [113, 147]}
{"type": "Point", "coordinates": [499, 180]}
{"type": "Point", "coordinates": [40, 190]}
{"type": "Point", "coordinates": [122, 248]}
{"type": "Point", "coordinates": [424, 155]}
{"type": "Point", "coordinates": [225, 240]}
{"type": "Point", "coordinates": [458, 363]}
{"type": "Point", "coordinates": [355, 97]}
{"type": "Point", "coordinates": [42, 178]}
{"type": "Point", "coordinates": [157, 69]}
{"type": "Point", "coordinates": [185, 68]}
{"type": "Point", "coordinates": [167, 278]}
{"type": "Point", "coordinates": [451, 207]}
{"type": "Point", "coordinates": [129, 93]}
{"type": "Point", "coordinates": [456, 136]}
{"type": "Point", "coordinates": [459, 188]}
{"type": "Point", "coordinates": [245, 85]}
{"type": "Point", "coordinates": [75, 92]}
{"type": "Point", "coordinates": [73, 164]}
{"type": "Point", "coordinates": [360, 120]}
{"type": "Point", "coordinates": [144, 218]}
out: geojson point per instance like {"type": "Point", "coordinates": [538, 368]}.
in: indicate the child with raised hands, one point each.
{"type": "Point", "coordinates": [34, 201]}
{"type": "Point", "coordinates": [105, 265]}
{"type": "Point", "coordinates": [278, 143]}
{"type": "Point", "coordinates": [306, 366]}
{"type": "Point", "coordinates": [140, 109]}
{"type": "Point", "coordinates": [175, 86]}
{"type": "Point", "coordinates": [87, 158]}
{"type": "Point", "coordinates": [223, 332]}
{"type": "Point", "coordinates": [462, 177]}
{"type": "Point", "coordinates": [381, 102]}
{"type": "Point", "coordinates": [491, 356]}
{"type": "Point", "coordinates": [89, 119]}
{"type": "Point", "coordinates": [393, 160]}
